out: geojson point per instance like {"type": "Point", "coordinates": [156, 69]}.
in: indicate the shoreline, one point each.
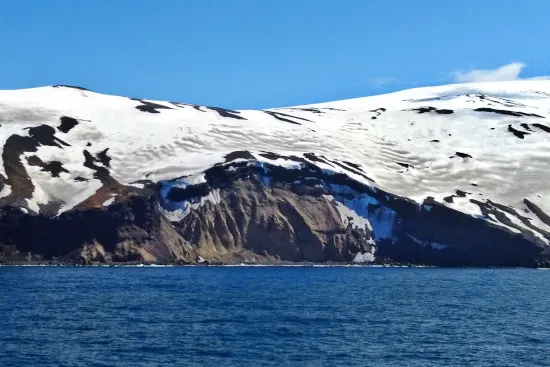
{"type": "Point", "coordinates": [245, 265]}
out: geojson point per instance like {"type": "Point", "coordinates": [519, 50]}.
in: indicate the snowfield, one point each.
{"type": "Point", "coordinates": [488, 142]}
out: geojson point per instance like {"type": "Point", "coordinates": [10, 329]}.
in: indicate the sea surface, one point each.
{"type": "Point", "coordinates": [273, 316]}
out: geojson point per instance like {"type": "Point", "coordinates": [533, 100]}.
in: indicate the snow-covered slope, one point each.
{"type": "Point", "coordinates": [460, 144]}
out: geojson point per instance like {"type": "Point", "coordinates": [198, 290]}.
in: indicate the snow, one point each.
{"type": "Point", "coordinates": [520, 224]}
{"type": "Point", "coordinates": [138, 185]}
{"type": "Point", "coordinates": [182, 183]}
{"type": "Point", "coordinates": [183, 141]}
{"type": "Point", "coordinates": [286, 163]}
{"type": "Point", "coordinates": [348, 215]}
{"type": "Point", "coordinates": [380, 219]}
{"type": "Point", "coordinates": [108, 202]}
{"type": "Point", "coordinates": [176, 211]}
{"type": "Point", "coordinates": [363, 258]}
{"type": "Point", "coordinates": [6, 190]}
{"type": "Point", "coordinates": [63, 189]}
{"type": "Point", "coordinates": [419, 241]}
{"type": "Point", "coordinates": [82, 191]}
{"type": "Point", "coordinates": [33, 206]}
{"type": "Point", "coordinates": [494, 220]}
{"type": "Point", "coordinates": [465, 205]}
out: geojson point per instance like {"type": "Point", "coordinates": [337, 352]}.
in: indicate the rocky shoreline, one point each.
{"type": "Point", "coordinates": [273, 265]}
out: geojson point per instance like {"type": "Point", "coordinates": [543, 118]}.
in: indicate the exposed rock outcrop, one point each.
{"type": "Point", "coordinates": [257, 212]}
{"type": "Point", "coordinates": [277, 223]}
{"type": "Point", "coordinates": [132, 230]}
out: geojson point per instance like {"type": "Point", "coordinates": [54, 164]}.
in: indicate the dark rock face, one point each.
{"type": "Point", "coordinates": [286, 117]}
{"type": "Point", "coordinates": [266, 213]}
{"type": "Point", "coordinates": [239, 154]}
{"type": "Point", "coordinates": [545, 218]}
{"type": "Point", "coordinates": [150, 107]}
{"type": "Point", "coordinates": [432, 109]}
{"type": "Point", "coordinates": [461, 155]}
{"type": "Point", "coordinates": [67, 123]}
{"type": "Point", "coordinates": [270, 205]}
{"type": "Point", "coordinates": [183, 105]}
{"type": "Point", "coordinates": [405, 165]}
{"type": "Point", "coordinates": [17, 145]}
{"type": "Point", "coordinates": [378, 112]}
{"type": "Point", "coordinates": [507, 112]}
{"type": "Point", "coordinates": [227, 113]}
{"type": "Point", "coordinates": [191, 191]}
{"type": "Point", "coordinates": [517, 133]}
{"type": "Point", "coordinates": [90, 162]}
{"type": "Point", "coordinates": [71, 86]}
{"type": "Point", "coordinates": [273, 223]}
{"type": "Point", "coordinates": [55, 168]}
{"type": "Point", "coordinates": [133, 230]}
{"type": "Point", "coordinates": [104, 158]}
{"type": "Point", "coordinates": [461, 240]}
{"type": "Point", "coordinates": [542, 127]}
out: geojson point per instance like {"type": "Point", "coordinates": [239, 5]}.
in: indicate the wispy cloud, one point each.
{"type": "Point", "coordinates": [379, 82]}
{"type": "Point", "coordinates": [507, 72]}
{"type": "Point", "coordinates": [503, 73]}
{"type": "Point", "coordinates": [546, 77]}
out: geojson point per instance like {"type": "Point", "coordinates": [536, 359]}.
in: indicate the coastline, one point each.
{"type": "Point", "coordinates": [249, 265]}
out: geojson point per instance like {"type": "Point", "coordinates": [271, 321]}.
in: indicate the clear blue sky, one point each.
{"type": "Point", "coordinates": [264, 53]}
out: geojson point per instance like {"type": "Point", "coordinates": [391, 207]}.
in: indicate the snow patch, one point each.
{"type": "Point", "coordinates": [520, 224]}
{"type": "Point", "coordinates": [176, 211]}
{"type": "Point", "coordinates": [494, 220]}
{"type": "Point", "coordinates": [419, 241]}
{"type": "Point", "coordinates": [364, 258]}
{"type": "Point", "coordinates": [138, 185]}
{"type": "Point", "coordinates": [438, 246]}
{"type": "Point", "coordinates": [33, 206]}
{"type": "Point", "coordinates": [109, 202]}
{"type": "Point", "coordinates": [381, 219]}
{"type": "Point", "coordinates": [349, 216]}
{"type": "Point", "coordinates": [82, 191]}
{"type": "Point", "coordinates": [6, 190]}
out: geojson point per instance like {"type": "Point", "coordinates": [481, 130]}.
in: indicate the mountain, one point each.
{"type": "Point", "coordinates": [453, 175]}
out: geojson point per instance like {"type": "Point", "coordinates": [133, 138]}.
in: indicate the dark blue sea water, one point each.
{"type": "Point", "coordinates": [262, 316]}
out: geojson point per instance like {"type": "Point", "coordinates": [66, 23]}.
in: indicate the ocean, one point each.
{"type": "Point", "coordinates": [273, 316]}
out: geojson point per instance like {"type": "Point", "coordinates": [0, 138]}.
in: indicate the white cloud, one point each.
{"type": "Point", "coordinates": [504, 73]}
{"type": "Point", "coordinates": [507, 72]}
{"type": "Point", "coordinates": [379, 82]}
{"type": "Point", "coordinates": [540, 78]}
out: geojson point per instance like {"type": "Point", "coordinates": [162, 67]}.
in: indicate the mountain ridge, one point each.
{"type": "Point", "coordinates": [480, 150]}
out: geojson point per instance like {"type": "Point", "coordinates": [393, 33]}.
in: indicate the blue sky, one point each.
{"type": "Point", "coordinates": [265, 53]}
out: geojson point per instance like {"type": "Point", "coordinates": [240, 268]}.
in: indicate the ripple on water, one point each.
{"type": "Point", "coordinates": [299, 316]}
